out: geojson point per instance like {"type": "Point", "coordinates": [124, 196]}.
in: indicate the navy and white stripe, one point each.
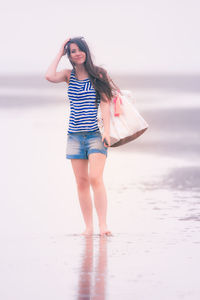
{"type": "Point", "coordinates": [83, 111]}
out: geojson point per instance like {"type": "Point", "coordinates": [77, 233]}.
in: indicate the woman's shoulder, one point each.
{"type": "Point", "coordinates": [100, 69]}
{"type": "Point", "coordinates": [102, 72]}
{"type": "Point", "coordinates": [68, 74]}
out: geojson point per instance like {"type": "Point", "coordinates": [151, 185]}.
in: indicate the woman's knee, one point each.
{"type": "Point", "coordinates": [83, 183]}
{"type": "Point", "coordinates": [95, 180]}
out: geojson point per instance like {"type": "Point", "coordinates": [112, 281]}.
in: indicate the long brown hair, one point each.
{"type": "Point", "coordinates": [98, 76]}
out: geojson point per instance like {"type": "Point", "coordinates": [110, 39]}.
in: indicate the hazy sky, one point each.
{"type": "Point", "coordinates": [127, 36]}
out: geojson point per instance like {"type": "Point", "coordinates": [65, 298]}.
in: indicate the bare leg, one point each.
{"type": "Point", "coordinates": [96, 167]}
{"type": "Point", "coordinates": [80, 168]}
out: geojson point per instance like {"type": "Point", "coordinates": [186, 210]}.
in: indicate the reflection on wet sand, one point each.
{"type": "Point", "coordinates": [92, 277]}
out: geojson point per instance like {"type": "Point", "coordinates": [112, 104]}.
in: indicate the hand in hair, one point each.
{"type": "Point", "coordinates": [62, 49]}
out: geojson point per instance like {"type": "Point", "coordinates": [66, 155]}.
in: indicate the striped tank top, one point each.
{"type": "Point", "coordinates": [83, 111]}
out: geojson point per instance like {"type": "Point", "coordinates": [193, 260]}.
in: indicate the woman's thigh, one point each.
{"type": "Point", "coordinates": [96, 165]}
{"type": "Point", "coordinates": [80, 168]}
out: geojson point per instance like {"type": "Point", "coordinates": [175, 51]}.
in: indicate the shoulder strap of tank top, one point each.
{"type": "Point", "coordinates": [71, 75]}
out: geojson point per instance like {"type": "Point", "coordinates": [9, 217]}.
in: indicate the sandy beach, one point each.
{"type": "Point", "coordinates": [153, 190]}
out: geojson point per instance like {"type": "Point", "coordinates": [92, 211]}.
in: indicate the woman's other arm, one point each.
{"type": "Point", "coordinates": [105, 113]}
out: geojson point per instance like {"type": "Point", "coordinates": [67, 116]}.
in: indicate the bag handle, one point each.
{"type": "Point", "coordinates": [117, 108]}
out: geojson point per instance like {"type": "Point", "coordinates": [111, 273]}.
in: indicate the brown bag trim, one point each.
{"type": "Point", "coordinates": [129, 138]}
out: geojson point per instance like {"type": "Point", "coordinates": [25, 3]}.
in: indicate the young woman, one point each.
{"type": "Point", "coordinates": [88, 87]}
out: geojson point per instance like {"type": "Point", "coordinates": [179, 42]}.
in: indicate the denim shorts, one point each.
{"type": "Point", "coordinates": [81, 144]}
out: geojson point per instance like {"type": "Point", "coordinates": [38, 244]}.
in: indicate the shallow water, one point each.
{"type": "Point", "coordinates": [153, 188]}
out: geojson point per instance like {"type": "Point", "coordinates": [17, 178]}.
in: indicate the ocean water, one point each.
{"type": "Point", "coordinates": [153, 189]}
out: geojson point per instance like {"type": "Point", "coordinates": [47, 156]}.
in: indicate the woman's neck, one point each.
{"type": "Point", "coordinates": [80, 70]}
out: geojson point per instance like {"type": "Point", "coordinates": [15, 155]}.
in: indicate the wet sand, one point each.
{"type": "Point", "coordinates": [153, 189]}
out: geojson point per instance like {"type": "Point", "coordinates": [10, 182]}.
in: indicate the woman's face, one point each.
{"type": "Point", "coordinates": [76, 55]}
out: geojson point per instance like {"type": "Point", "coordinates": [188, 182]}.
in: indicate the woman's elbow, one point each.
{"type": "Point", "coordinates": [47, 77]}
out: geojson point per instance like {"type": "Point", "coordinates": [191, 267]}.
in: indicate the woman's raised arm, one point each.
{"type": "Point", "coordinates": [51, 74]}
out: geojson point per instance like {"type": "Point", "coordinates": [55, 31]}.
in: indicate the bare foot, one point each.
{"type": "Point", "coordinates": [87, 232]}
{"type": "Point", "coordinates": [105, 231]}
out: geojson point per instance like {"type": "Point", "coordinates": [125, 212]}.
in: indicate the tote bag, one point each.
{"type": "Point", "coordinates": [126, 123]}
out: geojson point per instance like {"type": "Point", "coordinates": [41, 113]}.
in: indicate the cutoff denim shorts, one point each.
{"type": "Point", "coordinates": [81, 144]}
